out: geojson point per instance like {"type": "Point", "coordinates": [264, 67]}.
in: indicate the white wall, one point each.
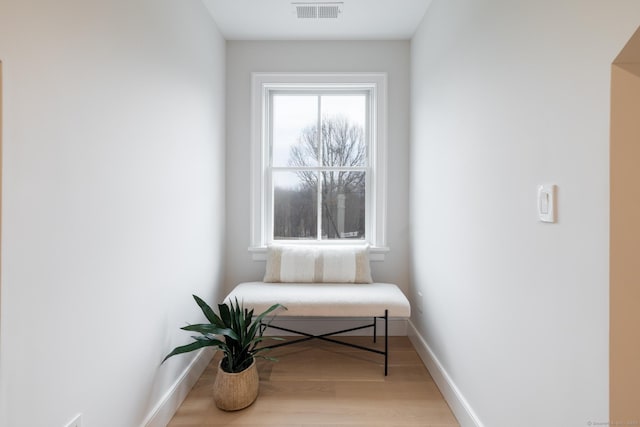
{"type": "Point", "coordinates": [113, 208]}
{"type": "Point", "coordinates": [243, 58]}
{"type": "Point", "coordinates": [505, 96]}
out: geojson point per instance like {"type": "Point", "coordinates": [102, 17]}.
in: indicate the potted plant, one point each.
{"type": "Point", "coordinates": [237, 381]}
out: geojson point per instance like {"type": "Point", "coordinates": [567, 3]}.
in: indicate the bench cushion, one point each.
{"type": "Point", "coordinates": [324, 300]}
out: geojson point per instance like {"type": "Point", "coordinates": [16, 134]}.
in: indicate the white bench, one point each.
{"type": "Point", "coordinates": [370, 300]}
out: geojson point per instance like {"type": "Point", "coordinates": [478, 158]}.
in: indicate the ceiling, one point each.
{"type": "Point", "coordinates": [277, 20]}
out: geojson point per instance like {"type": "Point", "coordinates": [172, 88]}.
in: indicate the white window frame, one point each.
{"type": "Point", "coordinates": [376, 206]}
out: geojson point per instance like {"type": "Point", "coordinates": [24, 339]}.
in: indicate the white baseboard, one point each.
{"type": "Point", "coordinates": [458, 404]}
{"type": "Point", "coordinates": [164, 410]}
{"type": "Point", "coordinates": [321, 325]}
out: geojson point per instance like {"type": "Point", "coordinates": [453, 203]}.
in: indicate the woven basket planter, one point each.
{"type": "Point", "coordinates": [234, 391]}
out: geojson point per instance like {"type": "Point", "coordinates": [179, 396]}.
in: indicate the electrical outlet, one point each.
{"type": "Point", "coordinates": [75, 422]}
{"type": "Point", "coordinates": [419, 302]}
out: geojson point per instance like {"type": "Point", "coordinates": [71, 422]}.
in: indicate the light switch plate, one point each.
{"type": "Point", "coordinates": [547, 202]}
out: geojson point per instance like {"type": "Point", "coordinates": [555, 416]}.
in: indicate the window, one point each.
{"type": "Point", "coordinates": [318, 159]}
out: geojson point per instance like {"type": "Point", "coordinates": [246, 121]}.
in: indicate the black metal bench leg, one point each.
{"type": "Point", "coordinates": [386, 342]}
{"type": "Point", "coordinates": [375, 333]}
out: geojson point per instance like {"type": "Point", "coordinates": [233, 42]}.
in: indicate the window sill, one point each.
{"type": "Point", "coordinates": [377, 253]}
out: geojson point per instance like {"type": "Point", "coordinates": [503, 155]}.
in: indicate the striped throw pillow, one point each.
{"type": "Point", "coordinates": [317, 264]}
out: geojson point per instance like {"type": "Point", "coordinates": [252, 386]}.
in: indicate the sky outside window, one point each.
{"type": "Point", "coordinates": [293, 113]}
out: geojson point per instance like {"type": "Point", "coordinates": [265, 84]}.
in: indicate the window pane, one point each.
{"type": "Point", "coordinates": [343, 205]}
{"type": "Point", "coordinates": [343, 135]}
{"type": "Point", "coordinates": [295, 130]}
{"type": "Point", "coordinates": [295, 201]}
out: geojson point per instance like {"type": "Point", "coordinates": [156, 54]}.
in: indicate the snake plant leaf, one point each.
{"type": "Point", "coordinates": [206, 328]}
{"type": "Point", "coordinates": [187, 348]}
{"type": "Point", "coordinates": [208, 311]}
{"type": "Point", "coordinates": [242, 322]}
{"type": "Point", "coordinates": [258, 319]}
{"type": "Point", "coordinates": [225, 315]}
{"type": "Point", "coordinates": [215, 341]}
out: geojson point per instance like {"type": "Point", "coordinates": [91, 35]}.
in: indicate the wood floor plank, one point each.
{"type": "Point", "coordinates": [316, 384]}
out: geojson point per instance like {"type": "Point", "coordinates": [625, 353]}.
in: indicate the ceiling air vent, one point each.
{"type": "Point", "coordinates": [305, 10]}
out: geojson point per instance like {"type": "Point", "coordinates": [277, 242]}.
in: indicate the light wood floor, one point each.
{"type": "Point", "coordinates": [324, 384]}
